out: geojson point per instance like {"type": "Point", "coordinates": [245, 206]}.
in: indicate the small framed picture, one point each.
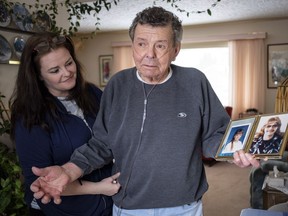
{"type": "Point", "coordinates": [236, 137]}
{"type": "Point", "coordinates": [270, 137]}
{"type": "Point", "coordinates": [105, 67]}
{"type": "Point", "coordinates": [277, 64]}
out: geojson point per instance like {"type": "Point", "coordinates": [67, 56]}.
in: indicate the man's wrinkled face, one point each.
{"type": "Point", "coordinates": [153, 51]}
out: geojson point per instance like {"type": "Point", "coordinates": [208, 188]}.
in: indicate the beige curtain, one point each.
{"type": "Point", "coordinates": [122, 58]}
{"type": "Point", "coordinates": [248, 75]}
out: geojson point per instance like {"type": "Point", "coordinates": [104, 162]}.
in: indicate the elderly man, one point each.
{"type": "Point", "coordinates": [155, 121]}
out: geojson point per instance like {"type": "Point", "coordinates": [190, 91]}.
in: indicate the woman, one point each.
{"type": "Point", "coordinates": [235, 143]}
{"type": "Point", "coordinates": [52, 111]}
{"type": "Point", "coordinates": [268, 140]}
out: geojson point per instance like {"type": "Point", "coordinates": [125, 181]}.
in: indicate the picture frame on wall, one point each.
{"type": "Point", "coordinates": [277, 64]}
{"type": "Point", "coordinates": [264, 136]}
{"type": "Point", "coordinates": [105, 67]}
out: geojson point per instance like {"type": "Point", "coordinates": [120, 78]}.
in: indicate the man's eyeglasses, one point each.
{"type": "Point", "coordinates": [48, 44]}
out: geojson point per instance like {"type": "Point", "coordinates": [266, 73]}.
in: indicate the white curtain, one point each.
{"type": "Point", "coordinates": [122, 58]}
{"type": "Point", "coordinates": [248, 75]}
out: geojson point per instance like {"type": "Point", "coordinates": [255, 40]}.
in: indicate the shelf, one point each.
{"type": "Point", "coordinates": [14, 30]}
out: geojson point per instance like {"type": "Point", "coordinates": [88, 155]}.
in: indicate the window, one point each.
{"type": "Point", "coordinates": [214, 63]}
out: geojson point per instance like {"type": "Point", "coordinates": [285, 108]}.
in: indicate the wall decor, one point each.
{"type": "Point", "coordinates": [5, 50]}
{"type": "Point", "coordinates": [277, 64]}
{"type": "Point", "coordinates": [5, 17]}
{"type": "Point", "coordinates": [105, 67]}
{"type": "Point", "coordinates": [12, 42]}
{"type": "Point", "coordinates": [22, 18]}
{"type": "Point", "coordinates": [18, 45]}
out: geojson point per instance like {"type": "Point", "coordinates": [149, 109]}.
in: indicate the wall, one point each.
{"type": "Point", "coordinates": [88, 50]}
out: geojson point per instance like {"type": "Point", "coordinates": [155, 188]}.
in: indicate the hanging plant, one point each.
{"type": "Point", "coordinates": [77, 10]}
{"type": "Point", "coordinates": [174, 4]}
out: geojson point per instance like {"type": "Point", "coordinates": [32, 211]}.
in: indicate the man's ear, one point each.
{"type": "Point", "coordinates": [176, 50]}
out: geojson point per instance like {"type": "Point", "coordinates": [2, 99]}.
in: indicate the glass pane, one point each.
{"type": "Point", "coordinates": [214, 63]}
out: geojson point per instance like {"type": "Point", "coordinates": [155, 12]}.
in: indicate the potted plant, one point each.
{"type": "Point", "coordinates": [11, 184]}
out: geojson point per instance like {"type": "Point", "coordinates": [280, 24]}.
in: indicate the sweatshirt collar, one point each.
{"type": "Point", "coordinates": [167, 78]}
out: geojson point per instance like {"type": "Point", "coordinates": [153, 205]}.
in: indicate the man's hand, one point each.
{"type": "Point", "coordinates": [243, 159]}
{"type": "Point", "coordinates": [53, 180]}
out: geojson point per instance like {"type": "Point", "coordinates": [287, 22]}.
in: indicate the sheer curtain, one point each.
{"type": "Point", "coordinates": [122, 58]}
{"type": "Point", "coordinates": [248, 75]}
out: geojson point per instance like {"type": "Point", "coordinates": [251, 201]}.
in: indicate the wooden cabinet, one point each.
{"type": "Point", "coordinates": [272, 197]}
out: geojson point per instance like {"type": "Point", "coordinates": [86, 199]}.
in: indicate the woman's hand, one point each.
{"type": "Point", "coordinates": [110, 186]}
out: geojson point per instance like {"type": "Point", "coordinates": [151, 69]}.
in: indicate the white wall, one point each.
{"type": "Point", "coordinates": [88, 50]}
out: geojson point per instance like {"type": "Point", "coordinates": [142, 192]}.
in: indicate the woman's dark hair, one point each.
{"type": "Point", "coordinates": [31, 100]}
{"type": "Point", "coordinates": [238, 131]}
{"type": "Point", "coordinates": [158, 17]}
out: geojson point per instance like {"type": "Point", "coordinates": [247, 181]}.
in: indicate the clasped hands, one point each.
{"type": "Point", "coordinates": [53, 180]}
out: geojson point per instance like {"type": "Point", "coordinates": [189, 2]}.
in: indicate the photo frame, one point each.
{"type": "Point", "coordinates": [264, 136]}
{"type": "Point", "coordinates": [272, 124]}
{"type": "Point", "coordinates": [105, 67]}
{"type": "Point", "coordinates": [241, 128]}
{"type": "Point", "coordinates": [277, 64]}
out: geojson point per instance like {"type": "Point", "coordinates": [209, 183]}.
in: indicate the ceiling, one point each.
{"type": "Point", "coordinates": [120, 16]}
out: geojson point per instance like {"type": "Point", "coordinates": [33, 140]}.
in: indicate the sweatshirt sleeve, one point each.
{"type": "Point", "coordinates": [95, 153]}
{"type": "Point", "coordinates": [215, 121]}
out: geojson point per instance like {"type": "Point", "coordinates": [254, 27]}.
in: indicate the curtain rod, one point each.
{"type": "Point", "coordinates": [208, 38]}
{"type": "Point", "coordinates": [227, 37]}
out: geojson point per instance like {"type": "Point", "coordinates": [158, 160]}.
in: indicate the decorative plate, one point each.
{"type": "Point", "coordinates": [5, 50]}
{"type": "Point", "coordinates": [22, 17]}
{"type": "Point", "coordinates": [42, 21]}
{"type": "Point", "coordinates": [5, 17]}
{"type": "Point", "coordinates": [18, 45]}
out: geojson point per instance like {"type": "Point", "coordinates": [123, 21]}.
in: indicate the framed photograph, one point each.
{"type": "Point", "coordinates": [270, 137]}
{"type": "Point", "coordinates": [277, 64]}
{"type": "Point", "coordinates": [236, 137]}
{"type": "Point", "coordinates": [105, 67]}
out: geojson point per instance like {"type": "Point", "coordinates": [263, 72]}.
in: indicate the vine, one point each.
{"type": "Point", "coordinates": [77, 10]}
{"type": "Point", "coordinates": [177, 7]}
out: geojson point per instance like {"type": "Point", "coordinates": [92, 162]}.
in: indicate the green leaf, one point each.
{"type": "Point", "coordinates": [5, 200]}
{"type": "Point", "coordinates": [209, 12]}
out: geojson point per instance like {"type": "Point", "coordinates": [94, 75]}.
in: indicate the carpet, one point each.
{"type": "Point", "coordinates": [228, 191]}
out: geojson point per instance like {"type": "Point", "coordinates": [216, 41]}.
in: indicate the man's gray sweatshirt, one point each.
{"type": "Point", "coordinates": [157, 136]}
